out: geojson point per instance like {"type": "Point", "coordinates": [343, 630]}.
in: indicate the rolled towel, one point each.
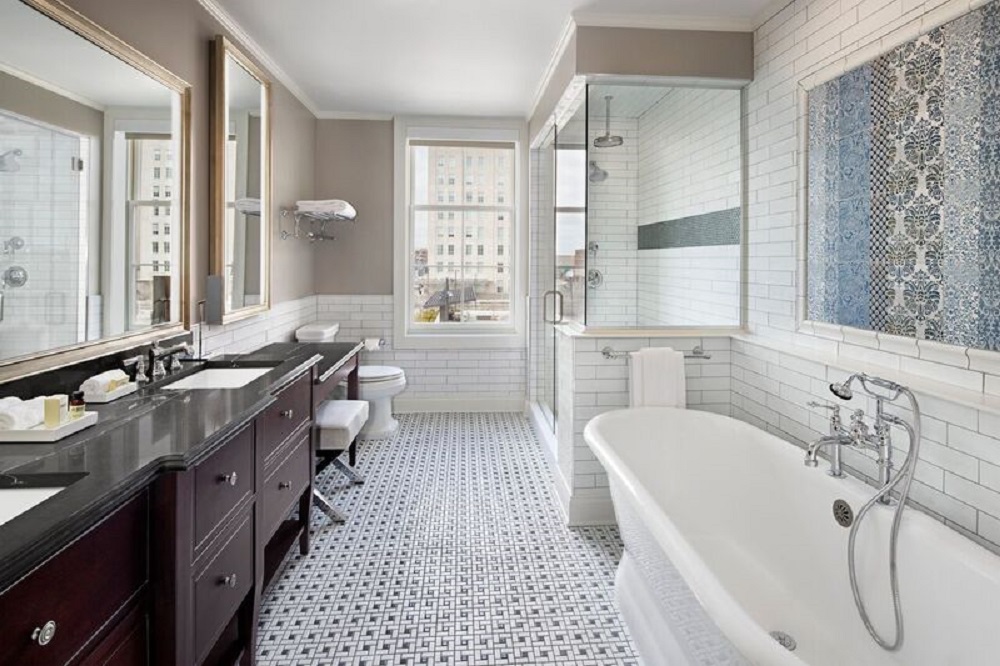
{"type": "Point", "coordinates": [105, 382]}
{"type": "Point", "coordinates": [331, 206]}
{"type": "Point", "coordinates": [248, 205]}
{"type": "Point", "coordinates": [17, 414]}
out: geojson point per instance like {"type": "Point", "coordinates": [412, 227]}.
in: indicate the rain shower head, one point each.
{"type": "Point", "coordinates": [8, 160]}
{"type": "Point", "coordinates": [596, 174]}
{"type": "Point", "coordinates": [608, 140]}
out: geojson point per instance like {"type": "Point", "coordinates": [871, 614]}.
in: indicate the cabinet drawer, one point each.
{"type": "Point", "coordinates": [125, 644]}
{"type": "Point", "coordinates": [285, 485]}
{"type": "Point", "coordinates": [221, 483]}
{"type": "Point", "coordinates": [222, 584]}
{"type": "Point", "coordinates": [70, 597]}
{"type": "Point", "coordinates": [292, 408]}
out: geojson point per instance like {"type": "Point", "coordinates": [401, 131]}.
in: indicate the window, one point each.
{"type": "Point", "coordinates": [156, 211]}
{"type": "Point", "coordinates": [166, 246]}
{"type": "Point", "coordinates": [156, 190]}
{"type": "Point", "coordinates": [166, 191]}
{"type": "Point", "coordinates": [157, 154]}
{"type": "Point", "coordinates": [470, 292]}
{"type": "Point", "coordinates": [156, 172]}
{"type": "Point", "coordinates": [499, 250]}
{"type": "Point", "coordinates": [156, 246]}
{"type": "Point", "coordinates": [168, 172]}
{"type": "Point", "coordinates": [156, 229]}
{"type": "Point", "coordinates": [166, 227]}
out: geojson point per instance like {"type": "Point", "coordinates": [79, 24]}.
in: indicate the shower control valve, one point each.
{"type": "Point", "coordinates": [859, 430]}
{"type": "Point", "coordinates": [835, 422]}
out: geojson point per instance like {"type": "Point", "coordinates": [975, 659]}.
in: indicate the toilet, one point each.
{"type": "Point", "coordinates": [377, 384]}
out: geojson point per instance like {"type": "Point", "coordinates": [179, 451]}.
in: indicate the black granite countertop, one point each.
{"type": "Point", "coordinates": [136, 438]}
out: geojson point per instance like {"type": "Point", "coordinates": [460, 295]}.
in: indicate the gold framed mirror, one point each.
{"type": "Point", "coordinates": [241, 181]}
{"type": "Point", "coordinates": [94, 186]}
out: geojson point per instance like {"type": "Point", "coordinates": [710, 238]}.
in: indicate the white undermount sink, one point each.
{"type": "Point", "coordinates": [217, 378]}
{"type": "Point", "coordinates": [15, 501]}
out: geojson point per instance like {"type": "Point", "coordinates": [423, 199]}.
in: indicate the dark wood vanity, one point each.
{"type": "Point", "coordinates": [174, 574]}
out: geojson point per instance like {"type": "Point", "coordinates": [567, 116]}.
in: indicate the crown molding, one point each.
{"type": "Point", "coordinates": [664, 22]}
{"type": "Point", "coordinates": [569, 29]}
{"type": "Point", "coordinates": [352, 115]}
{"type": "Point", "coordinates": [250, 45]}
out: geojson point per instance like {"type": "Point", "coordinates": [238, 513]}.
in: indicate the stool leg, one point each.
{"type": "Point", "coordinates": [327, 507]}
{"type": "Point", "coordinates": [348, 471]}
{"type": "Point", "coordinates": [352, 453]}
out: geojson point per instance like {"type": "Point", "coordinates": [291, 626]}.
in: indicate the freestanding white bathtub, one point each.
{"type": "Point", "coordinates": [728, 537]}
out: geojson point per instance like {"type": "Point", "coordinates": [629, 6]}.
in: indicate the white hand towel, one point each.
{"type": "Point", "coordinates": [16, 414]}
{"type": "Point", "coordinates": [100, 383]}
{"type": "Point", "coordinates": [657, 378]}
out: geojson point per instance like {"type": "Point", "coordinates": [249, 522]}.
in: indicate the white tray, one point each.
{"type": "Point", "coordinates": [43, 434]}
{"type": "Point", "coordinates": [120, 392]}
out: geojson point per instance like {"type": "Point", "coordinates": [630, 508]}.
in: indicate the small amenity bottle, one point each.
{"type": "Point", "coordinates": [76, 405]}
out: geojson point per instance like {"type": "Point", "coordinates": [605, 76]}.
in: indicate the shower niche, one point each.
{"type": "Point", "coordinates": [647, 208]}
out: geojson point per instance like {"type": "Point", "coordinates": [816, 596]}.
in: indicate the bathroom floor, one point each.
{"type": "Point", "coordinates": [454, 552]}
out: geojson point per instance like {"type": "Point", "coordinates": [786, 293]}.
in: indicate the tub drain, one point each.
{"type": "Point", "coordinates": [784, 640]}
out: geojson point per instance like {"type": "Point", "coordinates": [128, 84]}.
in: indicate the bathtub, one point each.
{"type": "Point", "coordinates": [729, 537]}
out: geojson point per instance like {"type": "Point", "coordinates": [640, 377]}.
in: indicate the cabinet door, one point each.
{"type": "Point", "coordinates": [51, 614]}
{"type": "Point", "coordinates": [125, 645]}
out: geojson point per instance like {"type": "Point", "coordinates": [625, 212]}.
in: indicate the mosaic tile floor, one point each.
{"type": "Point", "coordinates": [454, 553]}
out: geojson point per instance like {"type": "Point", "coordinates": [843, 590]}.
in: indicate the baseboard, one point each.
{"type": "Point", "coordinates": [406, 405]}
{"type": "Point", "coordinates": [589, 511]}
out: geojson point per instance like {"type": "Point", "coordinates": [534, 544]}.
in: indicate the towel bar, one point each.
{"type": "Point", "coordinates": [697, 352]}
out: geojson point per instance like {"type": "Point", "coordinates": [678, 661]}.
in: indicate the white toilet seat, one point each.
{"type": "Point", "coordinates": [374, 374]}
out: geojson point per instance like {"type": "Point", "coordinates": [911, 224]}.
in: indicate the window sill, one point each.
{"type": "Point", "coordinates": [429, 340]}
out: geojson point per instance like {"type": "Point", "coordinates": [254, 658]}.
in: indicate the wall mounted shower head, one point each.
{"type": "Point", "coordinates": [8, 160]}
{"type": "Point", "coordinates": [596, 174]}
{"type": "Point", "coordinates": [608, 140]}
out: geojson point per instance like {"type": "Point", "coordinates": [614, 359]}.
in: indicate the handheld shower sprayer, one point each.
{"type": "Point", "coordinates": [8, 160]}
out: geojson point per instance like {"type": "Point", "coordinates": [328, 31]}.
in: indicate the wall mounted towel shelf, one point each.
{"type": "Point", "coordinates": [697, 352]}
{"type": "Point", "coordinates": [314, 219]}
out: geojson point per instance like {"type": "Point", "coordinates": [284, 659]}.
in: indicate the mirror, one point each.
{"type": "Point", "coordinates": [93, 164]}
{"type": "Point", "coordinates": [241, 181]}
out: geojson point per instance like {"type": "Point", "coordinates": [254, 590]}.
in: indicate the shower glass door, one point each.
{"type": "Point", "coordinates": [545, 267]}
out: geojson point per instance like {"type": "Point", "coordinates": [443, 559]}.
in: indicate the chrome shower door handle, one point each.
{"type": "Point", "coordinates": [558, 297]}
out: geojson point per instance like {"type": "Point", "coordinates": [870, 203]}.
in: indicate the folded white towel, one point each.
{"type": "Point", "coordinates": [657, 378]}
{"type": "Point", "coordinates": [101, 383]}
{"type": "Point", "coordinates": [333, 206]}
{"type": "Point", "coordinates": [248, 205]}
{"type": "Point", "coordinates": [17, 414]}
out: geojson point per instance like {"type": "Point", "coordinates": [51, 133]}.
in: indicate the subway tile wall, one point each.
{"type": "Point", "coordinates": [778, 369]}
{"type": "Point", "coordinates": [689, 164]}
{"type": "Point", "coordinates": [611, 223]}
{"type": "Point", "coordinates": [41, 203]}
{"type": "Point", "coordinates": [486, 376]}
{"type": "Point", "coordinates": [591, 385]}
{"type": "Point", "coordinates": [276, 325]}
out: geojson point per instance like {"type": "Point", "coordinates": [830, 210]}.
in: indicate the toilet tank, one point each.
{"type": "Point", "coordinates": [318, 332]}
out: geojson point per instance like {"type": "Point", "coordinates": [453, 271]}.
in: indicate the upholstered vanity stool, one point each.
{"type": "Point", "coordinates": [337, 425]}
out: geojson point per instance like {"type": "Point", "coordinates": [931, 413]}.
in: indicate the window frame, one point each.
{"type": "Point", "coordinates": [462, 335]}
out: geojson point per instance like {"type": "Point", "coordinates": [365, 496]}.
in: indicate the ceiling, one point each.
{"type": "Point", "coordinates": [442, 57]}
{"type": "Point", "coordinates": [36, 48]}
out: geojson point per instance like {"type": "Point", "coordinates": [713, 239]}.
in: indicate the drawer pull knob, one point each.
{"type": "Point", "coordinates": [228, 581]}
{"type": "Point", "coordinates": [288, 414]}
{"type": "Point", "coordinates": [43, 635]}
{"type": "Point", "coordinates": [284, 485]}
{"type": "Point", "coordinates": [230, 478]}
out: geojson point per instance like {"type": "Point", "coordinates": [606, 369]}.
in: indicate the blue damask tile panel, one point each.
{"type": "Point", "coordinates": [904, 188]}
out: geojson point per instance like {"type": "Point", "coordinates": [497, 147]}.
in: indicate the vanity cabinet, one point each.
{"type": "Point", "coordinates": [223, 527]}
{"type": "Point", "coordinates": [87, 604]}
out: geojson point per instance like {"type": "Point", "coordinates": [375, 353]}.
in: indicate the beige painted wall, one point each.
{"type": "Point", "coordinates": [178, 35]}
{"type": "Point", "coordinates": [594, 51]}
{"type": "Point", "coordinates": [27, 99]}
{"type": "Point", "coordinates": [354, 161]}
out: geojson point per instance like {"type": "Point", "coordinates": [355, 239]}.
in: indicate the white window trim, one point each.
{"type": "Point", "coordinates": [466, 336]}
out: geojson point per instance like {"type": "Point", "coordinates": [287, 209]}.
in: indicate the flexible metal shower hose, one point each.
{"type": "Point", "coordinates": [905, 478]}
